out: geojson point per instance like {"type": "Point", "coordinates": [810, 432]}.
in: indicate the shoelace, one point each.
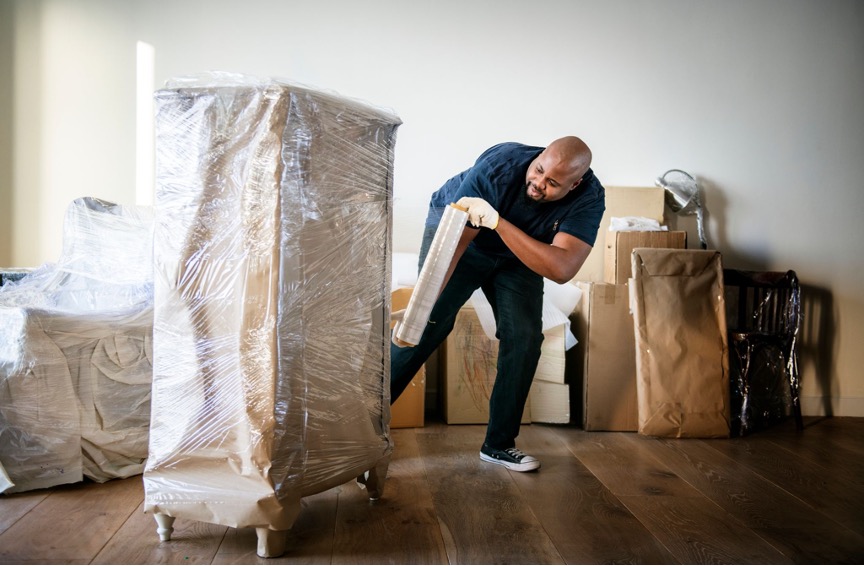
{"type": "Point", "coordinates": [516, 453]}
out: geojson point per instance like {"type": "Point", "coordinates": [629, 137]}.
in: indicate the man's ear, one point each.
{"type": "Point", "coordinates": [576, 184]}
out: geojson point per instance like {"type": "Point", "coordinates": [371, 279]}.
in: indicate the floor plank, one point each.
{"type": "Point", "coordinates": [73, 523]}
{"type": "Point", "coordinates": [796, 529]}
{"type": "Point", "coordinates": [820, 443]}
{"type": "Point", "coordinates": [678, 515]}
{"type": "Point", "coordinates": [580, 515]}
{"type": "Point", "coordinates": [611, 458]}
{"type": "Point", "coordinates": [483, 515]}
{"type": "Point", "coordinates": [776, 496]}
{"type": "Point", "coordinates": [818, 485]}
{"type": "Point", "coordinates": [401, 527]}
{"type": "Point", "coordinates": [698, 532]}
{"type": "Point", "coordinates": [310, 540]}
{"type": "Point", "coordinates": [137, 542]}
{"type": "Point", "coordinates": [17, 505]}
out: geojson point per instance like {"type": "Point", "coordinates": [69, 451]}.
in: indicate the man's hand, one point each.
{"type": "Point", "coordinates": [480, 212]}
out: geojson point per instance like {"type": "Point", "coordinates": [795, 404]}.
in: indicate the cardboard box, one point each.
{"type": "Point", "coordinates": [550, 402]}
{"type": "Point", "coordinates": [551, 365]}
{"type": "Point", "coordinates": [682, 364]}
{"type": "Point", "coordinates": [621, 201]}
{"type": "Point", "coordinates": [550, 395]}
{"type": "Point", "coordinates": [620, 246]}
{"type": "Point", "coordinates": [469, 365]}
{"type": "Point", "coordinates": [606, 358]}
{"type": "Point", "coordinates": [409, 410]}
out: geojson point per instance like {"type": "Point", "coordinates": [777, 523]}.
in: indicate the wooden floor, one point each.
{"type": "Point", "coordinates": [775, 497]}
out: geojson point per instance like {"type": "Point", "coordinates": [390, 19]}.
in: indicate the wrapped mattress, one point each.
{"type": "Point", "coordinates": [272, 275]}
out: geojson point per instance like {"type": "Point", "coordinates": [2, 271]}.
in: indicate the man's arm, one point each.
{"type": "Point", "coordinates": [558, 261]}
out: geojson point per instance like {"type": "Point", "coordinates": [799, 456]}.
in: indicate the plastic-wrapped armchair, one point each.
{"type": "Point", "coordinates": [75, 354]}
{"type": "Point", "coordinates": [764, 320]}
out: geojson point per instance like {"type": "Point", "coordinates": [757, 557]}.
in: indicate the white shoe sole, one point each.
{"type": "Point", "coordinates": [526, 467]}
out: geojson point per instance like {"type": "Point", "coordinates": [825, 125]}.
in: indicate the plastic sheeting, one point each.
{"type": "Point", "coordinates": [764, 319]}
{"type": "Point", "coordinates": [75, 354]}
{"type": "Point", "coordinates": [272, 275]}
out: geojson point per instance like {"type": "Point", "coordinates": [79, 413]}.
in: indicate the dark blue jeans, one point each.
{"type": "Point", "coordinates": [516, 295]}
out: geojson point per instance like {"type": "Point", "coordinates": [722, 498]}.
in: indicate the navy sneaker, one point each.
{"type": "Point", "coordinates": [511, 458]}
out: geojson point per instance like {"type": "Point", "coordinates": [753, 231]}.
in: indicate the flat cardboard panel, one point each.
{"type": "Point", "coordinates": [606, 358]}
{"type": "Point", "coordinates": [550, 402]}
{"type": "Point", "coordinates": [621, 201]}
{"type": "Point", "coordinates": [550, 367]}
{"type": "Point", "coordinates": [682, 366]}
{"type": "Point", "coordinates": [470, 362]}
{"type": "Point", "coordinates": [620, 246]}
{"type": "Point", "coordinates": [409, 410]}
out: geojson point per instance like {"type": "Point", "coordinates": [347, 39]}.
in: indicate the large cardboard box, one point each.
{"type": "Point", "coordinates": [409, 410]}
{"type": "Point", "coordinates": [647, 202]}
{"type": "Point", "coordinates": [682, 365]}
{"type": "Point", "coordinates": [469, 365]}
{"type": "Point", "coordinates": [606, 358]}
{"type": "Point", "coordinates": [620, 246]}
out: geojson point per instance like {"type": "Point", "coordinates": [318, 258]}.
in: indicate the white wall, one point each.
{"type": "Point", "coordinates": [7, 30]}
{"type": "Point", "coordinates": [759, 99]}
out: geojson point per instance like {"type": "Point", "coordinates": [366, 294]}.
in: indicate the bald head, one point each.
{"type": "Point", "coordinates": [573, 153]}
{"type": "Point", "coordinates": [558, 169]}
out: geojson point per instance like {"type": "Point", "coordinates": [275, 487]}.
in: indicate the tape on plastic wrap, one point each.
{"type": "Point", "coordinates": [409, 330]}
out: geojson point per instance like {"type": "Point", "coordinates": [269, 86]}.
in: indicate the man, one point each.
{"type": "Point", "coordinates": [534, 213]}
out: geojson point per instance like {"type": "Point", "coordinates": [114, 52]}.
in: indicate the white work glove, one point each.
{"type": "Point", "coordinates": [396, 316]}
{"type": "Point", "coordinates": [480, 212]}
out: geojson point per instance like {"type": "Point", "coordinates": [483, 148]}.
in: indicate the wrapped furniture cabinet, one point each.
{"type": "Point", "coordinates": [272, 283]}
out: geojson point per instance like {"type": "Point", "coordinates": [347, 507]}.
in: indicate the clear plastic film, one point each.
{"type": "Point", "coordinates": [271, 335]}
{"type": "Point", "coordinates": [409, 330]}
{"type": "Point", "coordinates": [764, 319]}
{"type": "Point", "coordinates": [75, 353]}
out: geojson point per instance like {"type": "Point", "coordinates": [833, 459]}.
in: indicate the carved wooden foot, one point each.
{"type": "Point", "coordinates": [165, 526]}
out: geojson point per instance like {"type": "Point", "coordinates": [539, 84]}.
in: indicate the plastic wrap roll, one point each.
{"type": "Point", "coordinates": [409, 330]}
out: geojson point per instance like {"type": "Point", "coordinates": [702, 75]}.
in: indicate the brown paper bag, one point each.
{"type": "Point", "coordinates": [682, 362]}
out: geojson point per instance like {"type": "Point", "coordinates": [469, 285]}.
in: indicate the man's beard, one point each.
{"type": "Point", "coordinates": [528, 201]}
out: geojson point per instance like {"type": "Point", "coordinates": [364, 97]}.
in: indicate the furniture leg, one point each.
{"type": "Point", "coordinates": [165, 526]}
{"type": "Point", "coordinates": [270, 543]}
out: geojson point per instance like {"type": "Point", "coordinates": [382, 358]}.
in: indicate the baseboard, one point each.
{"type": "Point", "coordinates": [832, 406]}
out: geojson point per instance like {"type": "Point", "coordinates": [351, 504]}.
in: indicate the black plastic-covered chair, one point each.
{"type": "Point", "coordinates": [763, 314]}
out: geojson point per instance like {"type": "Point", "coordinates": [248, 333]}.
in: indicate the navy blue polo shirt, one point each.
{"type": "Point", "coordinates": [498, 177]}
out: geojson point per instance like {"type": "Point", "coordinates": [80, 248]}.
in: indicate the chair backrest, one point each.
{"type": "Point", "coordinates": [763, 313]}
{"type": "Point", "coordinates": [766, 302]}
